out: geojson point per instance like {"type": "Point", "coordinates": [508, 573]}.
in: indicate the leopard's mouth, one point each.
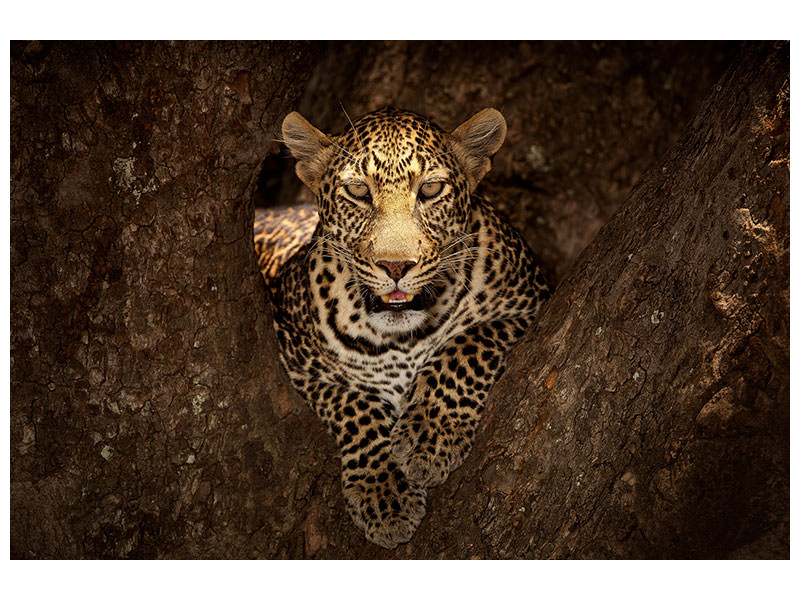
{"type": "Point", "coordinates": [398, 301]}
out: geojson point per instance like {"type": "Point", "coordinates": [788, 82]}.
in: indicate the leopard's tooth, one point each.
{"type": "Point", "coordinates": [409, 297]}
{"type": "Point", "coordinates": [385, 298]}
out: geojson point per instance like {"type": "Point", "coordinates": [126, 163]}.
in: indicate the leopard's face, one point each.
{"type": "Point", "coordinates": [393, 196]}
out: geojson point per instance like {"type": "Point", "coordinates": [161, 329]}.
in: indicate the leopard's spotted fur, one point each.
{"type": "Point", "coordinates": [400, 390]}
{"type": "Point", "coordinates": [278, 234]}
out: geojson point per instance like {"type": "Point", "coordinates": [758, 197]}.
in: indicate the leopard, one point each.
{"type": "Point", "coordinates": [397, 299]}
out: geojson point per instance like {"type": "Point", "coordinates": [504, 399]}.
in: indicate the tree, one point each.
{"type": "Point", "coordinates": [645, 415]}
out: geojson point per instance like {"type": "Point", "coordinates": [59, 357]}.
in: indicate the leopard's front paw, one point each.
{"type": "Point", "coordinates": [386, 506]}
{"type": "Point", "coordinates": [424, 451]}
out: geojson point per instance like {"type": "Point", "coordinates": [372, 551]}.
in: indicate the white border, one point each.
{"type": "Point", "coordinates": [149, 19]}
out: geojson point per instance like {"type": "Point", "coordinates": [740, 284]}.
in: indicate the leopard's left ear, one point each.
{"type": "Point", "coordinates": [477, 140]}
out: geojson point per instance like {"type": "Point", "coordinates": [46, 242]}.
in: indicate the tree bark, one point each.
{"type": "Point", "coordinates": [645, 415]}
{"type": "Point", "coordinates": [141, 353]}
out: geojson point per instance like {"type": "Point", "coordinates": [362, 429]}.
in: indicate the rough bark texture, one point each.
{"type": "Point", "coordinates": [646, 415]}
{"type": "Point", "coordinates": [145, 393]}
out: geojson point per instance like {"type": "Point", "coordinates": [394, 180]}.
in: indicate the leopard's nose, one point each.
{"type": "Point", "coordinates": [396, 269]}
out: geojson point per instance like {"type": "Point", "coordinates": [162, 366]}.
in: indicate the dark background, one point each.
{"type": "Point", "coordinates": [585, 119]}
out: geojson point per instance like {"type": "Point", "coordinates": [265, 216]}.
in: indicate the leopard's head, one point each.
{"type": "Point", "coordinates": [394, 197]}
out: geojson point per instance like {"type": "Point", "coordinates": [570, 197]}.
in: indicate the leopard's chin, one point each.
{"type": "Point", "coordinates": [397, 322]}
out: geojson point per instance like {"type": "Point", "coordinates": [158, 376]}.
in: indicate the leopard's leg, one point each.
{"type": "Point", "coordinates": [379, 497]}
{"type": "Point", "coordinates": [435, 434]}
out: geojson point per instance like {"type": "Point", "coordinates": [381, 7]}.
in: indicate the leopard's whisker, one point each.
{"type": "Point", "coordinates": [352, 126]}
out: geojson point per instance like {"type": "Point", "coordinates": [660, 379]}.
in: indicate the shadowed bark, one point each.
{"type": "Point", "coordinates": [645, 415]}
{"type": "Point", "coordinates": [585, 120]}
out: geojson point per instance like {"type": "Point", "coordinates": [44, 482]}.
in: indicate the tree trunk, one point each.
{"type": "Point", "coordinates": [145, 386]}
{"type": "Point", "coordinates": [645, 415]}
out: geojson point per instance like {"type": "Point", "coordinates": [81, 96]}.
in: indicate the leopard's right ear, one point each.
{"type": "Point", "coordinates": [309, 146]}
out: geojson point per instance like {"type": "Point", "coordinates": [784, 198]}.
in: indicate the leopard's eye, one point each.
{"type": "Point", "coordinates": [431, 189]}
{"type": "Point", "coordinates": [359, 191]}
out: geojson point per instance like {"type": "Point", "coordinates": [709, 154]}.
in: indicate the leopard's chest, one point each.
{"type": "Point", "coordinates": [390, 375]}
